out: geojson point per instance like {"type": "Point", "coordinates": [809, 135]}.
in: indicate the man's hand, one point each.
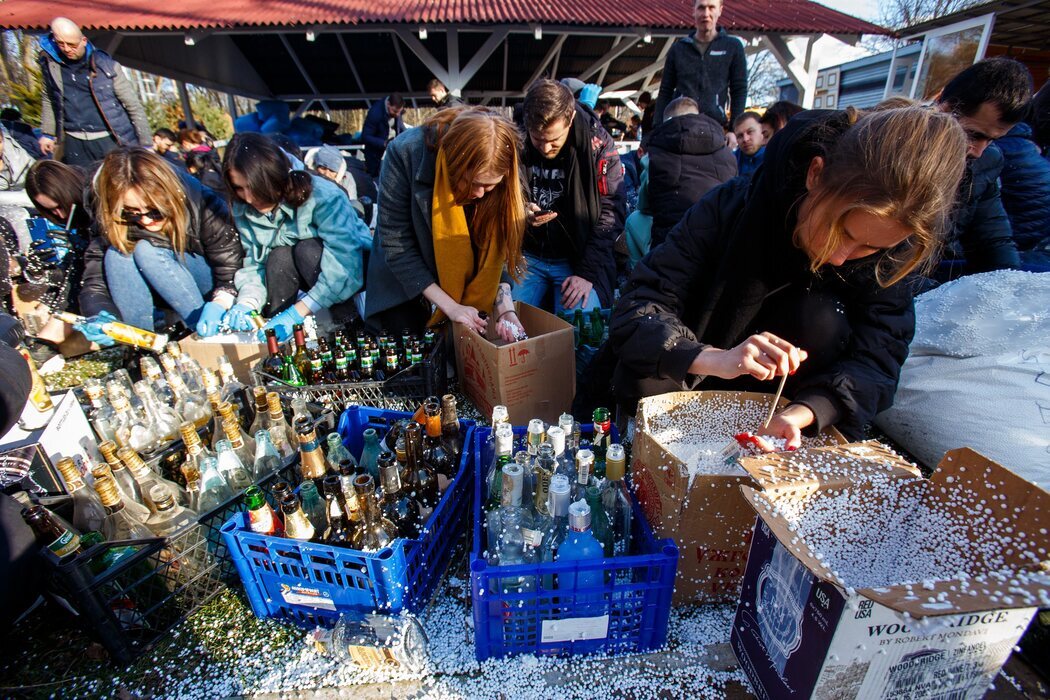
{"type": "Point", "coordinates": [730, 140]}
{"type": "Point", "coordinates": [763, 356]}
{"type": "Point", "coordinates": [533, 216]}
{"type": "Point", "coordinates": [575, 291]}
{"type": "Point", "coordinates": [47, 145]}
{"type": "Point", "coordinates": [788, 425]}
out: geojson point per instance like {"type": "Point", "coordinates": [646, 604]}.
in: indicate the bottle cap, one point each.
{"type": "Point", "coordinates": [556, 435]}
{"type": "Point", "coordinates": [615, 462]}
{"type": "Point", "coordinates": [107, 492]}
{"type": "Point", "coordinates": [512, 483]}
{"type": "Point", "coordinates": [261, 435]}
{"type": "Point", "coordinates": [558, 495]}
{"type": "Point", "coordinates": [223, 445]}
{"type": "Point", "coordinates": [580, 516]}
{"type": "Point", "coordinates": [161, 497]}
{"type": "Point", "coordinates": [565, 421]}
{"type": "Point", "coordinates": [536, 430]}
{"type": "Point", "coordinates": [500, 414]}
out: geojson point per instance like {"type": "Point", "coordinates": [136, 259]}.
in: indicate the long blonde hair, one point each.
{"type": "Point", "coordinates": [160, 186]}
{"type": "Point", "coordinates": [903, 164]}
{"type": "Point", "coordinates": [476, 140]}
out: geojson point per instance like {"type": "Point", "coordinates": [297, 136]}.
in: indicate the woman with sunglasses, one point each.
{"type": "Point", "coordinates": [162, 236]}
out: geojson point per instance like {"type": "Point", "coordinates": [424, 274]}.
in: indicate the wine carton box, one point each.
{"type": "Point", "coordinates": [242, 349]}
{"type": "Point", "coordinates": [799, 633]}
{"type": "Point", "coordinates": [705, 514]}
{"type": "Point", "coordinates": [533, 378]}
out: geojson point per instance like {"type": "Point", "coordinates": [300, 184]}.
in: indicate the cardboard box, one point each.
{"type": "Point", "coordinates": [534, 378]}
{"type": "Point", "coordinates": [799, 633]}
{"type": "Point", "coordinates": [707, 516]}
{"type": "Point", "coordinates": [242, 355]}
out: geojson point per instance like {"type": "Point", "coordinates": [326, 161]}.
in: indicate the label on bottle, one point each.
{"type": "Point", "coordinates": [583, 471]}
{"type": "Point", "coordinates": [543, 486]}
{"type": "Point", "coordinates": [262, 521]}
{"type": "Point", "coordinates": [574, 629]}
{"type": "Point", "coordinates": [533, 538]}
{"type": "Point", "coordinates": [66, 544]}
{"type": "Point", "coordinates": [310, 597]}
{"type": "Point", "coordinates": [372, 658]}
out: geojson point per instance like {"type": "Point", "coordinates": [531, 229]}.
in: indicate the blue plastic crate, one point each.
{"type": "Point", "coordinates": [311, 583]}
{"type": "Point", "coordinates": [628, 613]}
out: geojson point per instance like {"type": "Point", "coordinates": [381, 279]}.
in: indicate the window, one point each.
{"type": "Point", "coordinates": [817, 103]}
{"type": "Point", "coordinates": [831, 101]}
{"type": "Point", "coordinates": [820, 81]}
{"type": "Point", "coordinates": [832, 79]}
{"type": "Point", "coordinates": [945, 52]}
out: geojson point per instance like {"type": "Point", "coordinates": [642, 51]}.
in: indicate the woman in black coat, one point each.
{"type": "Point", "coordinates": [803, 270]}
{"type": "Point", "coordinates": [163, 235]}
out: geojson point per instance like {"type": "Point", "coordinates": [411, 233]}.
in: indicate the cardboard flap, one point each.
{"type": "Point", "coordinates": [803, 472]}
{"type": "Point", "coordinates": [780, 528]}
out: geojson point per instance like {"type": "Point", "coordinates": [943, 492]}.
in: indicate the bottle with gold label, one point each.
{"type": "Point", "coordinates": [311, 458]}
{"type": "Point", "coordinates": [88, 513]}
{"type": "Point", "coordinates": [119, 525]}
{"type": "Point", "coordinates": [296, 525]}
{"type": "Point", "coordinates": [134, 508]}
{"type": "Point", "coordinates": [122, 332]}
{"type": "Point", "coordinates": [39, 408]}
{"type": "Point", "coordinates": [129, 488]}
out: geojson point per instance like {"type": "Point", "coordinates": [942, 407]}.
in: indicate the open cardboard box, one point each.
{"type": "Point", "coordinates": [242, 356]}
{"type": "Point", "coordinates": [533, 378]}
{"type": "Point", "coordinates": [707, 516]}
{"type": "Point", "coordinates": [800, 632]}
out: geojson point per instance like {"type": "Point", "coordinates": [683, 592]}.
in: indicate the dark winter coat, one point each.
{"type": "Point", "coordinates": [687, 158]}
{"type": "Point", "coordinates": [114, 96]}
{"type": "Point", "coordinates": [980, 228]}
{"type": "Point", "coordinates": [375, 132]}
{"type": "Point", "coordinates": [731, 257]}
{"type": "Point", "coordinates": [210, 233]}
{"type": "Point", "coordinates": [716, 79]}
{"type": "Point", "coordinates": [1025, 187]}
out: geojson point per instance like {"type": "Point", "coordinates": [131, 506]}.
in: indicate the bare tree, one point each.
{"type": "Point", "coordinates": [763, 73]}
{"type": "Point", "coordinates": [899, 14]}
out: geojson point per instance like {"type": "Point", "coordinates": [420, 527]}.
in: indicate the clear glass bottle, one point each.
{"type": "Point", "coordinates": [536, 435]}
{"type": "Point", "coordinates": [297, 525]}
{"type": "Point", "coordinates": [397, 505]}
{"type": "Point", "coordinates": [313, 506]}
{"type": "Point", "coordinates": [570, 431]}
{"type": "Point", "coordinates": [88, 510]}
{"type": "Point", "coordinates": [262, 411]}
{"type": "Point", "coordinates": [100, 414]}
{"type": "Point", "coordinates": [557, 530]}
{"type": "Point", "coordinates": [170, 516]}
{"type": "Point", "coordinates": [499, 415]}
{"type": "Point", "coordinates": [147, 478]}
{"type": "Point", "coordinates": [563, 463]}
{"type": "Point", "coordinates": [337, 452]}
{"type": "Point", "coordinates": [190, 406]}
{"type": "Point", "coordinates": [135, 509]}
{"type": "Point", "coordinates": [503, 454]}
{"type": "Point", "coordinates": [243, 445]}
{"type": "Point", "coordinates": [347, 472]}
{"type": "Point", "coordinates": [616, 502]}
{"type": "Point", "coordinates": [214, 400]}
{"type": "Point", "coordinates": [369, 462]}
{"type": "Point", "coordinates": [118, 525]}
{"type": "Point", "coordinates": [163, 420]}
{"type": "Point", "coordinates": [214, 490]}
{"type": "Point", "coordinates": [129, 429]}
{"type": "Point", "coordinates": [267, 460]}
{"type": "Point", "coordinates": [232, 468]}
{"type": "Point", "coordinates": [129, 488]}
{"type": "Point", "coordinates": [377, 642]}
{"type": "Point", "coordinates": [584, 474]}
{"type": "Point", "coordinates": [280, 433]}
{"type": "Point", "coordinates": [152, 373]}
{"type": "Point", "coordinates": [301, 415]}
{"type": "Point", "coordinates": [234, 391]}
{"type": "Point", "coordinates": [376, 531]}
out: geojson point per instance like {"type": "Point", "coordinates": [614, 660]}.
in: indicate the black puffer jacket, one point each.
{"type": "Point", "coordinates": [210, 233]}
{"type": "Point", "coordinates": [731, 256]}
{"type": "Point", "coordinates": [981, 230]}
{"type": "Point", "coordinates": [687, 158]}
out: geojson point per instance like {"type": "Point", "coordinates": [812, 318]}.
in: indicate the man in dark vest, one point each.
{"type": "Point", "coordinates": [88, 107]}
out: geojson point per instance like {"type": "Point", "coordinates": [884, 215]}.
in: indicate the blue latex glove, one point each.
{"type": "Point", "coordinates": [589, 94]}
{"type": "Point", "coordinates": [282, 323]}
{"type": "Point", "coordinates": [210, 320]}
{"type": "Point", "coordinates": [91, 328]}
{"type": "Point", "coordinates": [238, 318]}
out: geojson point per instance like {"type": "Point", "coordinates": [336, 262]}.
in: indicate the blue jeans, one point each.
{"type": "Point", "coordinates": [181, 281]}
{"type": "Point", "coordinates": [546, 276]}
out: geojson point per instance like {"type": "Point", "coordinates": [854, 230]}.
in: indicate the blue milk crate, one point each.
{"type": "Point", "coordinates": [310, 584]}
{"type": "Point", "coordinates": [628, 613]}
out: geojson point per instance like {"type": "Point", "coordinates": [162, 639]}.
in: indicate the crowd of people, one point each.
{"type": "Point", "coordinates": [733, 246]}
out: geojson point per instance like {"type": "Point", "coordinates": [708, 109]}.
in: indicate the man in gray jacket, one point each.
{"type": "Point", "coordinates": [88, 106]}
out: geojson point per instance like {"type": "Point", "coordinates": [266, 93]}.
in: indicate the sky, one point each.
{"type": "Point", "coordinates": [865, 9]}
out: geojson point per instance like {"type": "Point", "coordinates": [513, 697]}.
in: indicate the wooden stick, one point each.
{"type": "Point", "coordinates": [776, 400]}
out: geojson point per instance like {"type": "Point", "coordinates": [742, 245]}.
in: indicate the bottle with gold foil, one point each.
{"type": "Point", "coordinates": [122, 332]}
{"type": "Point", "coordinates": [135, 509]}
{"type": "Point", "coordinates": [39, 408]}
{"type": "Point", "coordinates": [280, 434]}
{"type": "Point", "coordinates": [129, 488]}
{"type": "Point", "coordinates": [450, 427]}
{"type": "Point", "coordinates": [88, 513]}
{"type": "Point", "coordinates": [375, 531]}
{"type": "Point", "coordinates": [119, 525]}
{"type": "Point", "coordinates": [311, 457]}
{"type": "Point", "coordinates": [215, 431]}
{"type": "Point", "coordinates": [231, 428]}
{"type": "Point", "coordinates": [147, 478]}
{"type": "Point", "coordinates": [228, 411]}
{"type": "Point", "coordinates": [296, 525]}
{"type": "Point", "coordinates": [262, 411]}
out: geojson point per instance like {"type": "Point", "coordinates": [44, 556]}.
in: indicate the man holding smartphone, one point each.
{"type": "Point", "coordinates": [577, 206]}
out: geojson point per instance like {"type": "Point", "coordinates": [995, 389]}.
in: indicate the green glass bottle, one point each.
{"type": "Point", "coordinates": [599, 520]}
{"type": "Point", "coordinates": [597, 327]}
{"type": "Point", "coordinates": [579, 330]}
{"type": "Point", "coordinates": [290, 373]}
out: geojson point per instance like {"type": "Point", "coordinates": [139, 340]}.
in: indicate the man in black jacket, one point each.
{"type": "Point", "coordinates": [708, 66]}
{"type": "Point", "coordinates": [382, 123]}
{"type": "Point", "coordinates": [577, 207]}
{"type": "Point", "coordinates": [988, 99]}
{"type": "Point", "coordinates": [441, 97]}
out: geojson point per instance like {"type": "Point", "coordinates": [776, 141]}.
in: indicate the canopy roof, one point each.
{"type": "Point", "coordinates": [1021, 24]}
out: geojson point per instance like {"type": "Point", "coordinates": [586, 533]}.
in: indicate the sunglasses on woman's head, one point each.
{"type": "Point", "coordinates": [134, 218]}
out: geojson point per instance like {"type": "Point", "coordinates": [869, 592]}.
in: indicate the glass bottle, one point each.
{"type": "Point", "coordinates": [584, 474]}
{"type": "Point", "coordinates": [243, 445]}
{"type": "Point", "coordinates": [266, 460]}
{"type": "Point", "coordinates": [88, 513]}
{"type": "Point", "coordinates": [163, 420]}
{"type": "Point", "coordinates": [376, 531]}
{"type": "Point", "coordinates": [191, 466]}
{"type": "Point", "coordinates": [129, 488]}
{"type": "Point", "coordinates": [262, 411]}
{"type": "Point", "coordinates": [419, 477]}
{"type": "Point", "coordinates": [273, 364]}
{"type": "Point", "coordinates": [50, 532]}
{"type": "Point", "coordinates": [341, 373]}
{"type": "Point", "coordinates": [311, 457]}
{"type": "Point", "coordinates": [502, 456]}
{"type": "Point", "coordinates": [301, 415]}
{"type": "Point", "coordinates": [280, 434]}
{"type": "Point", "coordinates": [616, 502]}
{"type": "Point", "coordinates": [347, 472]}
{"type": "Point", "coordinates": [601, 441]}
{"type": "Point", "coordinates": [261, 517]}
{"type": "Point", "coordinates": [147, 478]}
{"type": "Point", "coordinates": [535, 436]}
{"type": "Point", "coordinates": [397, 505]}
{"type": "Point", "coordinates": [235, 392]}
{"type": "Point", "coordinates": [187, 404]}
{"type": "Point", "coordinates": [232, 467]}
{"type": "Point", "coordinates": [557, 530]}
{"type": "Point", "coordinates": [290, 373]}
{"type": "Point", "coordinates": [337, 453]}
{"type": "Point", "coordinates": [100, 414]}
{"type": "Point", "coordinates": [378, 642]}
{"type": "Point", "coordinates": [214, 490]}
{"type": "Point", "coordinates": [214, 400]}
{"type": "Point", "coordinates": [313, 506]}
{"type": "Point", "coordinates": [450, 427]}
{"type": "Point", "coordinates": [599, 519]}
{"type": "Point", "coordinates": [581, 545]}
{"type": "Point", "coordinates": [563, 464]}
{"type": "Point", "coordinates": [129, 430]}
{"type": "Point", "coordinates": [369, 461]}
{"type": "Point", "coordinates": [338, 532]}
{"type": "Point", "coordinates": [170, 516]}
{"type": "Point", "coordinates": [119, 525]}
{"type": "Point", "coordinates": [301, 357]}
{"type": "Point", "coordinates": [296, 525]}
{"type": "Point", "coordinates": [543, 471]}
{"type": "Point", "coordinates": [438, 452]}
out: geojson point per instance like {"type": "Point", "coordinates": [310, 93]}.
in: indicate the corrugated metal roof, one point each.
{"type": "Point", "coordinates": [780, 16]}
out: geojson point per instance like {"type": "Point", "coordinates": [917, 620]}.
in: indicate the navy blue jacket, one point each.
{"type": "Point", "coordinates": [1025, 187]}
{"type": "Point", "coordinates": [980, 229]}
{"type": "Point", "coordinates": [716, 79]}
{"type": "Point", "coordinates": [375, 133]}
{"type": "Point", "coordinates": [747, 165]}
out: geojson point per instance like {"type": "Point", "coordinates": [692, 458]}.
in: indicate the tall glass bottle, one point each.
{"type": "Point", "coordinates": [214, 400]}
{"type": "Point", "coordinates": [502, 456]}
{"type": "Point", "coordinates": [129, 488]}
{"type": "Point", "coordinates": [311, 457]}
{"type": "Point", "coordinates": [337, 453]}
{"type": "Point", "coordinates": [450, 428]}
{"type": "Point", "coordinates": [338, 532]}
{"type": "Point", "coordinates": [129, 430]}
{"type": "Point", "coordinates": [584, 474]}
{"type": "Point", "coordinates": [602, 440]}
{"type": "Point", "coordinates": [163, 420]}
{"type": "Point", "coordinates": [581, 545]}
{"type": "Point", "coordinates": [243, 445]}
{"type": "Point", "coordinates": [301, 416]}
{"type": "Point", "coordinates": [376, 531]}
{"type": "Point", "coordinates": [147, 478]}
{"type": "Point", "coordinates": [50, 532]}
{"type": "Point", "coordinates": [419, 476]}
{"type": "Point", "coordinates": [280, 434]}
{"type": "Point", "coordinates": [563, 464]}
{"type": "Point", "coordinates": [301, 357]}
{"type": "Point", "coordinates": [535, 436]}
{"type": "Point", "coordinates": [119, 525]}
{"type": "Point", "coordinates": [262, 411]}
{"type": "Point", "coordinates": [234, 391]}
{"type": "Point", "coordinates": [88, 513]}
{"type": "Point", "coordinates": [599, 519]}
{"type": "Point", "coordinates": [369, 461]}
{"type": "Point", "coordinates": [170, 516]}
{"type": "Point", "coordinates": [347, 472]}
{"type": "Point", "coordinates": [557, 530]}
{"type": "Point", "coordinates": [616, 502]}
{"type": "Point", "coordinates": [232, 468]}
{"type": "Point", "coordinates": [438, 451]}
{"type": "Point", "coordinates": [261, 517]}
{"type": "Point", "coordinates": [313, 506]}
{"type": "Point", "coordinates": [100, 414]}
{"type": "Point", "coordinates": [190, 406]}
{"type": "Point", "coordinates": [214, 489]}
{"type": "Point", "coordinates": [137, 510]}
{"type": "Point", "coordinates": [273, 364]}
{"type": "Point", "coordinates": [267, 459]}
{"type": "Point", "coordinates": [297, 525]}
{"type": "Point", "coordinates": [397, 505]}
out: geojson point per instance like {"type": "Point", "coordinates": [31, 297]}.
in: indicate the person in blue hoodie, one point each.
{"type": "Point", "coordinates": [303, 242]}
{"type": "Point", "coordinates": [87, 107]}
{"type": "Point", "coordinates": [1025, 189]}
{"type": "Point", "coordinates": [750, 143]}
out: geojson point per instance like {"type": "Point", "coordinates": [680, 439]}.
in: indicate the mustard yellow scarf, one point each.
{"type": "Point", "coordinates": [468, 275]}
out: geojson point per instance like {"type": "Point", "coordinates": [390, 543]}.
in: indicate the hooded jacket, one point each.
{"type": "Point", "coordinates": [209, 233]}
{"type": "Point", "coordinates": [981, 229]}
{"type": "Point", "coordinates": [113, 95]}
{"type": "Point", "coordinates": [14, 164]}
{"type": "Point", "coordinates": [687, 158]}
{"type": "Point", "coordinates": [732, 255]}
{"type": "Point", "coordinates": [716, 78]}
{"type": "Point", "coordinates": [1025, 187]}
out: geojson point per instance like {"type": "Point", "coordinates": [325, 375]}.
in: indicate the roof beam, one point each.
{"type": "Point", "coordinates": [478, 60]}
{"type": "Point", "coordinates": [452, 43]}
{"type": "Point", "coordinates": [404, 68]}
{"type": "Point", "coordinates": [798, 68]}
{"type": "Point", "coordinates": [552, 53]}
{"type": "Point", "coordinates": [645, 73]}
{"type": "Point", "coordinates": [350, 62]}
{"type": "Point", "coordinates": [619, 48]}
{"type": "Point", "coordinates": [506, 61]}
{"type": "Point", "coordinates": [302, 69]}
{"type": "Point", "coordinates": [412, 42]}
